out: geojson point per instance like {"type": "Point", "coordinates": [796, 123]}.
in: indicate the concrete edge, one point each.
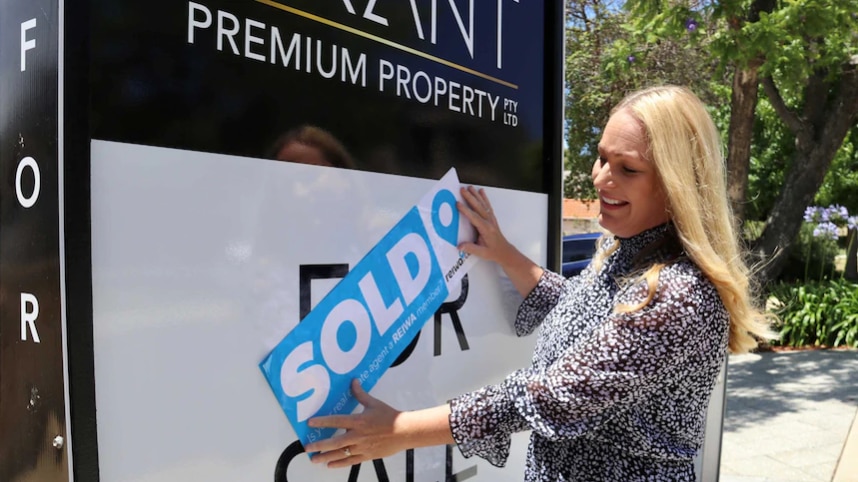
{"type": "Point", "coordinates": [847, 464]}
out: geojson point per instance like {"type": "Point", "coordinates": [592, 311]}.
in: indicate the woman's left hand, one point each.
{"type": "Point", "coordinates": [490, 244]}
{"type": "Point", "coordinates": [369, 435]}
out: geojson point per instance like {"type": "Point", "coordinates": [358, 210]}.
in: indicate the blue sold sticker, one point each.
{"type": "Point", "coordinates": [369, 317]}
{"type": "Point", "coordinates": [444, 203]}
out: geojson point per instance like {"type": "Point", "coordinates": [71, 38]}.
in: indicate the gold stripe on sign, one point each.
{"type": "Point", "coordinates": [384, 41]}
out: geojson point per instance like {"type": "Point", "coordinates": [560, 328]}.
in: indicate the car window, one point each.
{"type": "Point", "coordinates": [578, 249]}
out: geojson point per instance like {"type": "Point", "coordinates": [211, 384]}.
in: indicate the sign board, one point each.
{"type": "Point", "coordinates": [245, 156]}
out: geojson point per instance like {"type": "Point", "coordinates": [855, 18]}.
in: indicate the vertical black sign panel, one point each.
{"type": "Point", "coordinates": [32, 394]}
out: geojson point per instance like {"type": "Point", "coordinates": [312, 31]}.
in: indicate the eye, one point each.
{"type": "Point", "coordinates": [628, 170]}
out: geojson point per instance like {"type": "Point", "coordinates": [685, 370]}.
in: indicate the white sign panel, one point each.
{"type": "Point", "coordinates": [201, 265]}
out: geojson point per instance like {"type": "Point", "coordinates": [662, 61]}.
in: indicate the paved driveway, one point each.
{"type": "Point", "coordinates": [788, 415]}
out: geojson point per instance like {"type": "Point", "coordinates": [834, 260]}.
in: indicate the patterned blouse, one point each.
{"type": "Point", "coordinates": [608, 397]}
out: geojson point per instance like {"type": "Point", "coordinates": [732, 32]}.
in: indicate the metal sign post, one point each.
{"type": "Point", "coordinates": [33, 402]}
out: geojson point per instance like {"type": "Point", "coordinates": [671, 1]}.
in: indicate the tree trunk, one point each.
{"type": "Point", "coordinates": [742, 105]}
{"type": "Point", "coordinates": [830, 110]}
{"type": "Point", "coordinates": [803, 180]}
{"type": "Point", "coordinates": [850, 272]}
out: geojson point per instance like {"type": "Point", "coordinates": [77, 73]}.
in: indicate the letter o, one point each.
{"type": "Point", "coordinates": [339, 361]}
{"type": "Point", "coordinates": [28, 202]}
{"type": "Point", "coordinates": [422, 75]}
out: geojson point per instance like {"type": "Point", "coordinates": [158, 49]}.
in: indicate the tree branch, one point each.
{"type": "Point", "coordinates": [794, 122]}
{"type": "Point", "coordinates": [816, 94]}
{"type": "Point", "coordinates": [845, 106]}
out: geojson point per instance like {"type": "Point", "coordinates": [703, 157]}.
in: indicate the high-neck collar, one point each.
{"type": "Point", "coordinates": [631, 249]}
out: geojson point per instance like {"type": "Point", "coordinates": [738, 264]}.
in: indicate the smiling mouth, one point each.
{"type": "Point", "coordinates": [612, 202]}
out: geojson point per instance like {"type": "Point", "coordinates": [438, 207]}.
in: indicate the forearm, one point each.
{"type": "Point", "coordinates": [522, 272]}
{"type": "Point", "coordinates": [424, 428]}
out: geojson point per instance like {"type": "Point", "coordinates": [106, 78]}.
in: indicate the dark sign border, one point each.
{"type": "Point", "coordinates": [78, 244]}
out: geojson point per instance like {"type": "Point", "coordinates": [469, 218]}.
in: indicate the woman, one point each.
{"type": "Point", "coordinates": [628, 352]}
{"type": "Point", "coordinates": [312, 145]}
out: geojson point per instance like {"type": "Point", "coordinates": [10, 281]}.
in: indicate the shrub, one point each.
{"type": "Point", "coordinates": [819, 313]}
{"type": "Point", "coordinates": [810, 257]}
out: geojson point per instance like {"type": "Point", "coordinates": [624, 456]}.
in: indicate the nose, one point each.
{"type": "Point", "coordinates": [602, 175]}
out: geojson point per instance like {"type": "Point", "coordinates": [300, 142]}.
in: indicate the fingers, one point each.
{"type": "Point", "coordinates": [339, 451]}
{"type": "Point", "coordinates": [347, 461]}
{"type": "Point", "coordinates": [345, 421]}
{"type": "Point", "coordinates": [331, 445]}
{"type": "Point", "coordinates": [477, 200]}
{"type": "Point", "coordinates": [469, 213]}
{"type": "Point", "coordinates": [484, 198]}
{"type": "Point", "coordinates": [360, 394]}
{"type": "Point", "coordinates": [478, 210]}
{"type": "Point", "coordinates": [339, 457]}
{"type": "Point", "coordinates": [473, 249]}
{"type": "Point", "coordinates": [334, 421]}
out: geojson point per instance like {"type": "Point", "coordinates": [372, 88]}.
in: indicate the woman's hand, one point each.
{"type": "Point", "coordinates": [379, 431]}
{"type": "Point", "coordinates": [491, 243]}
{"type": "Point", "coordinates": [369, 435]}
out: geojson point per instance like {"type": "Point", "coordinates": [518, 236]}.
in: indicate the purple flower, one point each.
{"type": "Point", "coordinates": [631, 58]}
{"type": "Point", "coordinates": [824, 215]}
{"type": "Point", "coordinates": [852, 222]}
{"type": "Point", "coordinates": [691, 25]}
{"type": "Point", "coordinates": [826, 230]}
{"type": "Point", "coordinates": [838, 212]}
{"type": "Point", "coordinates": [810, 214]}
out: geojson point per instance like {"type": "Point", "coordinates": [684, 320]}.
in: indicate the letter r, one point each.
{"type": "Point", "coordinates": [28, 316]}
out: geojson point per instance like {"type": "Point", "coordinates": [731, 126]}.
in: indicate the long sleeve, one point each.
{"type": "Point", "coordinates": [536, 305]}
{"type": "Point", "coordinates": [622, 362]}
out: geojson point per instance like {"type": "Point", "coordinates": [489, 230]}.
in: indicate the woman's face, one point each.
{"type": "Point", "coordinates": [631, 199]}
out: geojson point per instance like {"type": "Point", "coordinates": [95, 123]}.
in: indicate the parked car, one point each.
{"type": "Point", "coordinates": [578, 250]}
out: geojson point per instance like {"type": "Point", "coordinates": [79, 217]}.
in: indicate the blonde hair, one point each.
{"type": "Point", "coordinates": [684, 146]}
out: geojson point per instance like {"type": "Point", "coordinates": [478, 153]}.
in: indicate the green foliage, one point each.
{"type": "Point", "coordinates": [809, 258]}
{"type": "Point", "coordinates": [794, 40]}
{"type": "Point", "coordinates": [818, 313]}
{"type": "Point", "coordinates": [802, 37]}
{"type": "Point", "coordinates": [591, 28]}
{"type": "Point", "coordinates": [771, 154]}
{"type": "Point", "coordinates": [699, 43]}
{"type": "Point", "coordinates": [606, 60]}
{"type": "Point", "coordinates": [841, 180]}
